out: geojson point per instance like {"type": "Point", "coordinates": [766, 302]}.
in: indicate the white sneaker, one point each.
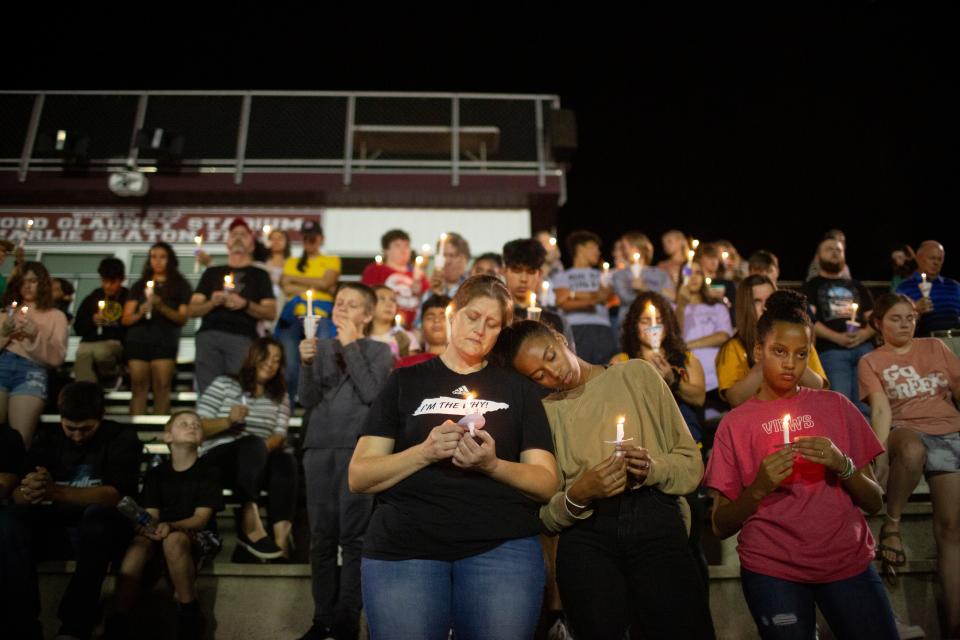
{"type": "Point", "coordinates": [907, 631]}
{"type": "Point", "coordinates": [559, 631]}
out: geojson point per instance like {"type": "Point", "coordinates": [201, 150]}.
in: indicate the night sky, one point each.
{"type": "Point", "coordinates": [766, 130]}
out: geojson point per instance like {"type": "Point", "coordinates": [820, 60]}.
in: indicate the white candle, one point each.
{"type": "Point", "coordinates": [418, 268]}
{"type": "Point", "coordinates": [635, 265]}
{"type": "Point", "coordinates": [378, 259]}
{"type": "Point", "coordinates": [148, 293]}
{"type": "Point", "coordinates": [651, 312]}
{"type": "Point", "coordinates": [446, 314]}
{"type": "Point", "coordinates": [854, 306]}
{"type": "Point", "coordinates": [709, 281]}
{"type": "Point", "coordinates": [101, 306]}
{"type": "Point", "coordinates": [606, 268]}
{"type": "Point", "coordinates": [533, 311]}
{"type": "Point", "coordinates": [198, 240]}
{"type": "Point", "coordinates": [695, 243]}
{"type": "Point", "coordinates": [23, 238]}
{"type": "Point", "coordinates": [786, 429]}
{"type": "Point", "coordinates": [553, 242]}
{"type": "Point", "coordinates": [924, 276]}
{"type": "Point", "coordinates": [398, 321]}
{"type": "Point", "coordinates": [544, 290]}
{"type": "Point", "coordinates": [228, 283]}
{"type": "Point", "coordinates": [310, 303]}
{"type": "Point", "coordinates": [620, 428]}
{"type": "Point", "coordinates": [620, 436]}
{"type": "Point", "coordinates": [925, 286]}
{"type": "Point", "coordinates": [470, 424]}
{"type": "Point", "coordinates": [441, 259]}
{"type": "Point", "coordinates": [13, 309]}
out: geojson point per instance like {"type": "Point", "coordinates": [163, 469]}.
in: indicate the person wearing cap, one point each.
{"type": "Point", "coordinates": [230, 299]}
{"type": "Point", "coordinates": [311, 271]}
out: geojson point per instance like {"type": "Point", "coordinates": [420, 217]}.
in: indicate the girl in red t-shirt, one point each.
{"type": "Point", "coordinates": [912, 385]}
{"type": "Point", "coordinates": [803, 542]}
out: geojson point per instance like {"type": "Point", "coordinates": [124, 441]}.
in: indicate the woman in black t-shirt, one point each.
{"type": "Point", "coordinates": [453, 540]}
{"type": "Point", "coordinates": [154, 330]}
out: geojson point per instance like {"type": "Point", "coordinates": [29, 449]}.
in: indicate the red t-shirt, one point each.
{"type": "Point", "coordinates": [919, 384]}
{"type": "Point", "coordinates": [809, 529]}
{"type": "Point", "coordinates": [408, 302]}
{"type": "Point", "coordinates": [417, 358]}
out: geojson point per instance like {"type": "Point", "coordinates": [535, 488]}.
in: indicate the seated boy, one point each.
{"type": "Point", "coordinates": [181, 495]}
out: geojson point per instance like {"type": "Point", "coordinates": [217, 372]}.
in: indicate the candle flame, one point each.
{"type": "Point", "coordinates": [606, 266]}
{"type": "Point", "coordinates": [29, 224]}
{"type": "Point", "coordinates": [150, 283]}
{"type": "Point", "coordinates": [621, 420]}
{"type": "Point", "coordinates": [418, 261]}
{"type": "Point", "coordinates": [378, 259]}
{"type": "Point", "coordinates": [102, 304]}
{"type": "Point", "coordinates": [448, 310]}
{"type": "Point", "coordinates": [545, 286]}
{"type": "Point", "coordinates": [266, 230]}
{"type": "Point", "coordinates": [533, 299]}
{"type": "Point", "coordinates": [553, 242]}
{"type": "Point", "coordinates": [725, 255]}
{"type": "Point", "coordinates": [198, 240]}
{"type": "Point", "coordinates": [398, 319]}
{"type": "Point", "coordinates": [690, 255]}
{"type": "Point", "coordinates": [24, 310]}
{"type": "Point", "coordinates": [695, 243]}
{"type": "Point", "coordinates": [652, 312]}
{"type": "Point", "coordinates": [443, 238]}
{"type": "Point", "coordinates": [228, 281]}
{"type": "Point", "coordinates": [425, 249]}
{"type": "Point", "coordinates": [470, 396]}
{"type": "Point", "coordinates": [636, 256]}
{"type": "Point", "coordinates": [709, 280]}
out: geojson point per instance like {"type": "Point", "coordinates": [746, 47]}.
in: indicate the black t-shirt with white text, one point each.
{"type": "Point", "coordinates": [443, 512]}
{"type": "Point", "coordinates": [111, 457]}
{"type": "Point", "coordinates": [833, 299]}
{"type": "Point", "coordinates": [252, 283]}
{"type": "Point", "coordinates": [177, 494]}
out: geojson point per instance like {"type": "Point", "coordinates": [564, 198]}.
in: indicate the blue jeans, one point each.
{"type": "Point", "coordinates": [290, 335]}
{"type": "Point", "coordinates": [854, 608]}
{"type": "Point", "coordinates": [840, 365]}
{"type": "Point", "coordinates": [492, 596]}
{"type": "Point", "coordinates": [21, 376]}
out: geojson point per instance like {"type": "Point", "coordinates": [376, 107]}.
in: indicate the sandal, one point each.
{"type": "Point", "coordinates": [888, 567]}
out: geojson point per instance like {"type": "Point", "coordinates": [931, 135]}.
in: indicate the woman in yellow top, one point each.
{"type": "Point", "coordinates": [319, 274]}
{"type": "Point", "coordinates": [626, 458]}
{"type": "Point", "coordinates": [738, 376]}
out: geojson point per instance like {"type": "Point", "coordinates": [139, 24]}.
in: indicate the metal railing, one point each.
{"type": "Point", "coordinates": [271, 131]}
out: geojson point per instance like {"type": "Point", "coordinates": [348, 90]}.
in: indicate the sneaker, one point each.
{"type": "Point", "coordinates": [242, 556]}
{"type": "Point", "coordinates": [264, 548]}
{"type": "Point", "coordinates": [317, 632]}
{"type": "Point", "coordinates": [559, 631]}
{"type": "Point", "coordinates": [907, 631]}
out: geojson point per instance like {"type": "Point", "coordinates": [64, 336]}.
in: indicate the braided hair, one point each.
{"type": "Point", "coordinates": [784, 306]}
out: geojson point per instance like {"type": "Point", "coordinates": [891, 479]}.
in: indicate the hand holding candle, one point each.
{"type": "Point", "coordinates": [474, 420]}
{"type": "Point", "coordinates": [636, 266]}
{"type": "Point", "coordinates": [652, 332]}
{"type": "Point", "coordinates": [852, 325]}
{"type": "Point", "coordinates": [620, 439]}
{"type": "Point", "coordinates": [310, 320]}
{"type": "Point", "coordinates": [924, 286]}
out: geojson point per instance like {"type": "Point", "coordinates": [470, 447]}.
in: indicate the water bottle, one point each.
{"type": "Point", "coordinates": [136, 514]}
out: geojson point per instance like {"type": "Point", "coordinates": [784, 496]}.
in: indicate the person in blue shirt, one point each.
{"type": "Point", "coordinates": [940, 309]}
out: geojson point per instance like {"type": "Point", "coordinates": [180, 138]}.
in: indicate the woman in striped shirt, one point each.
{"type": "Point", "coordinates": [245, 427]}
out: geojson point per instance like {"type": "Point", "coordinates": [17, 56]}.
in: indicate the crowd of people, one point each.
{"type": "Point", "coordinates": [557, 439]}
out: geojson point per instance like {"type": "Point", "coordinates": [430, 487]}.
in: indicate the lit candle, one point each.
{"type": "Point", "coordinates": [924, 277]}
{"type": "Point", "coordinates": [24, 310]}
{"type": "Point", "coordinates": [310, 303]}
{"type": "Point", "coordinates": [635, 265]}
{"type": "Point", "coordinates": [651, 312]}
{"type": "Point", "coordinates": [148, 293]}
{"type": "Point", "coordinates": [653, 332]}
{"type": "Point", "coordinates": [852, 324]}
{"type": "Point", "coordinates": [441, 259]}
{"type": "Point", "coordinates": [471, 425]}
{"type": "Point", "coordinates": [533, 311]}
{"type": "Point", "coordinates": [690, 254]}
{"type": "Point", "coordinates": [418, 268]}
{"type": "Point", "coordinates": [398, 321]}
{"type": "Point", "coordinates": [228, 283]}
{"type": "Point", "coordinates": [786, 429]}
{"type": "Point", "coordinates": [553, 241]}
{"type": "Point", "coordinates": [620, 439]}
{"type": "Point", "coordinates": [197, 240]}
{"type": "Point", "coordinates": [310, 321]}
{"type": "Point", "coordinates": [446, 314]}
{"type": "Point", "coordinates": [425, 249]}
{"type": "Point", "coordinates": [101, 306]}
{"type": "Point", "coordinates": [544, 290]}
{"type": "Point", "coordinates": [725, 254]}
{"type": "Point", "coordinates": [23, 238]}
{"type": "Point", "coordinates": [266, 231]}
{"type": "Point", "coordinates": [378, 259]}
{"type": "Point", "coordinates": [695, 243]}
{"type": "Point", "coordinates": [925, 286]}
{"type": "Point", "coordinates": [13, 309]}
{"type": "Point", "coordinates": [709, 281]}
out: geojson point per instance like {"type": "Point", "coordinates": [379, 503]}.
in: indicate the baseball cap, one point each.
{"type": "Point", "coordinates": [239, 222]}
{"type": "Point", "coordinates": [311, 227]}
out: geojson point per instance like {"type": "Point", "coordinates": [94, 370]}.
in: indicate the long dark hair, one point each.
{"type": "Point", "coordinates": [704, 290]}
{"type": "Point", "coordinates": [275, 387]}
{"type": "Point", "coordinates": [673, 344]}
{"type": "Point", "coordinates": [175, 279]}
{"type": "Point", "coordinates": [744, 314]}
{"type": "Point", "coordinates": [44, 286]}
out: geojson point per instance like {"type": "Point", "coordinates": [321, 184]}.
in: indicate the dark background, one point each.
{"type": "Point", "coordinates": [763, 129]}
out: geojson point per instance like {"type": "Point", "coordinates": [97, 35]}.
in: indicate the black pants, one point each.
{"type": "Point", "coordinates": [337, 517]}
{"type": "Point", "coordinates": [93, 535]}
{"type": "Point", "coordinates": [243, 465]}
{"type": "Point", "coordinates": [630, 564]}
